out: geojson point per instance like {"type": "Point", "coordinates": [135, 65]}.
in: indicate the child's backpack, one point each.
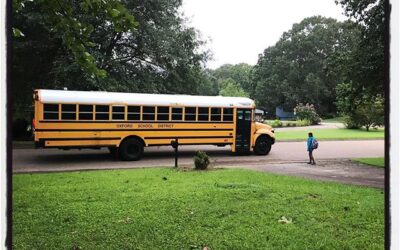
{"type": "Point", "coordinates": [314, 144]}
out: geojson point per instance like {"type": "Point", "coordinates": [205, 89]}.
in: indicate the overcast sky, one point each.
{"type": "Point", "coordinates": [239, 30]}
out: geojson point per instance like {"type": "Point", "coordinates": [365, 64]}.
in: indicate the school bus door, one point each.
{"type": "Point", "coordinates": [243, 130]}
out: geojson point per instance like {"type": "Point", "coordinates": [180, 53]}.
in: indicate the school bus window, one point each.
{"type": "Point", "coordinates": [85, 112]}
{"type": "Point", "coordinates": [215, 114]}
{"type": "Point", "coordinates": [190, 114]}
{"type": "Point", "coordinates": [134, 113]}
{"type": "Point", "coordinates": [148, 113]}
{"type": "Point", "coordinates": [177, 114]}
{"type": "Point", "coordinates": [50, 111]}
{"type": "Point", "coordinates": [68, 111]}
{"type": "Point", "coordinates": [228, 114]}
{"type": "Point", "coordinates": [247, 115]}
{"type": "Point", "coordinates": [102, 112]}
{"type": "Point", "coordinates": [162, 113]}
{"type": "Point", "coordinates": [203, 114]}
{"type": "Point", "coordinates": [118, 113]}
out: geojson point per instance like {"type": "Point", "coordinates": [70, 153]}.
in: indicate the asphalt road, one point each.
{"type": "Point", "coordinates": [286, 158]}
{"type": "Point", "coordinates": [33, 160]}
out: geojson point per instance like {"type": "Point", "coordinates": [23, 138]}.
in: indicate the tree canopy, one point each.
{"type": "Point", "coordinates": [67, 20]}
{"type": "Point", "coordinates": [367, 67]}
{"type": "Point", "coordinates": [141, 46]}
{"type": "Point", "coordinates": [230, 87]}
{"type": "Point", "coordinates": [361, 97]}
{"type": "Point", "coordinates": [302, 67]}
{"type": "Point", "coordinates": [239, 73]}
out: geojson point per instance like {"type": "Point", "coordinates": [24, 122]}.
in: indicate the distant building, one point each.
{"type": "Point", "coordinates": [284, 115]}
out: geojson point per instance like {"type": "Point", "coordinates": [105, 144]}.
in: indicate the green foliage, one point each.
{"type": "Point", "coordinates": [359, 108]}
{"type": "Point", "coordinates": [201, 160]}
{"type": "Point", "coordinates": [307, 113]}
{"type": "Point", "coordinates": [67, 20]}
{"type": "Point", "coordinates": [122, 209]}
{"type": "Point", "coordinates": [303, 122]}
{"type": "Point", "coordinates": [305, 65]}
{"type": "Point", "coordinates": [239, 73]}
{"type": "Point", "coordinates": [291, 124]}
{"type": "Point", "coordinates": [360, 98]}
{"type": "Point", "coordinates": [161, 54]}
{"type": "Point", "coordinates": [275, 123]}
{"type": "Point", "coordinates": [230, 88]}
{"type": "Point", "coordinates": [278, 123]}
{"type": "Point", "coordinates": [366, 64]}
{"type": "Point", "coordinates": [371, 112]}
{"type": "Point", "coordinates": [17, 32]}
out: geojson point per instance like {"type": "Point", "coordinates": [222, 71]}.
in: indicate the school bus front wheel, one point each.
{"type": "Point", "coordinates": [263, 145]}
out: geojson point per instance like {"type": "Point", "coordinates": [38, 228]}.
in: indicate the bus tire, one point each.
{"type": "Point", "coordinates": [131, 149]}
{"type": "Point", "coordinates": [263, 146]}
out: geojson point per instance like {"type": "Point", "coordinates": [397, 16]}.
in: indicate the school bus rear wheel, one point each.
{"type": "Point", "coordinates": [131, 149]}
{"type": "Point", "coordinates": [263, 145]}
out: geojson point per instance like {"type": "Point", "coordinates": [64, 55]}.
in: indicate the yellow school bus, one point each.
{"type": "Point", "coordinates": [128, 122]}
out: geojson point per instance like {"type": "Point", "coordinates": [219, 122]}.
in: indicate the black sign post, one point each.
{"type": "Point", "coordinates": [175, 145]}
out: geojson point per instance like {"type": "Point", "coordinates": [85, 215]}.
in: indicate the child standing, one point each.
{"type": "Point", "coordinates": [310, 148]}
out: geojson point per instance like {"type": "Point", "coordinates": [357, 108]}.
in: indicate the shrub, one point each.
{"type": "Point", "coordinates": [307, 112]}
{"type": "Point", "coordinates": [360, 107]}
{"type": "Point", "coordinates": [302, 123]}
{"type": "Point", "coordinates": [351, 122]}
{"type": "Point", "coordinates": [291, 124]}
{"type": "Point", "coordinates": [201, 160]}
{"type": "Point", "coordinates": [276, 123]}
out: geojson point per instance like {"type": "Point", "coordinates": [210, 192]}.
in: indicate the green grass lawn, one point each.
{"type": "Point", "coordinates": [377, 162]}
{"type": "Point", "coordinates": [171, 209]}
{"type": "Point", "coordinates": [340, 134]}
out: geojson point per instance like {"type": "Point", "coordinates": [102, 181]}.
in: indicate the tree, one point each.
{"type": "Point", "coordinates": [371, 113]}
{"type": "Point", "coordinates": [230, 88]}
{"type": "Point", "coordinates": [240, 73]}
{"type": "Point", "coordinates": [302, 67]}
{"type": "Point", "coordinates": [208, 85]}
{"type": "Point", "coordinates": [361, 99]}
{"type": "Point", "coordinates": [161, 55]}
{"type": "Point", "coordinates": [359, 109]}
{"type": "Point", "coordinates": [66, 20]}
{"type": "Point", "coordinates": [368, 67]}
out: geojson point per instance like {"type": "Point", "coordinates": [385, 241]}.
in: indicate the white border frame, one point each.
{"type": "Point", "coordinates": [394, 125]}
{"type": "Point", "coordinates": [394, 150]}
